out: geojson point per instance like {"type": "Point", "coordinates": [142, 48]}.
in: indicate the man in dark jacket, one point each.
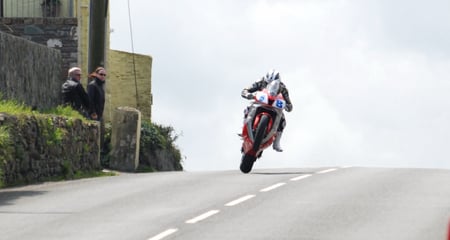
{"type": "Point", "coordinates": [74, 94]}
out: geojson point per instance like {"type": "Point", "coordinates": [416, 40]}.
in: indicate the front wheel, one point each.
{"type": "Point", "coordinates": [260, 132]}
{"type": "Point", "coordinates": [247, 163]}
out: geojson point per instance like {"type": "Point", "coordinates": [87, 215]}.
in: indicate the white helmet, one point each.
{"type": "Point", "coordinates": [271, 75]}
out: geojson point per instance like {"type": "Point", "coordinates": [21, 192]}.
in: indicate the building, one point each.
{"type": "Point", "coordinates": [64, 25]}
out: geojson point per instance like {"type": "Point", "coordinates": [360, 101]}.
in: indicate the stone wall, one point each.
{"type": "Point", "coordinates": [57, 33]}
{"type": "Point", "coordinates": [41, 147]}
{"type": "Point", "coordinates": [29, 72]}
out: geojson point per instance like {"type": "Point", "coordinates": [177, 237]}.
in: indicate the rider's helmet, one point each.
{"type": "Point", "coordinates": [271, 75]}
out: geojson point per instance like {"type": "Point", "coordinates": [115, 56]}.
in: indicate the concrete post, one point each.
{"type": "Point", "coordinates": [125, 137]}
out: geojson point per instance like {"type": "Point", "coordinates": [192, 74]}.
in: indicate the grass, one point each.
{"type": "Point", "coordinates": [65, 111]}
{"type": "Point", "coordinates": [13, 107]}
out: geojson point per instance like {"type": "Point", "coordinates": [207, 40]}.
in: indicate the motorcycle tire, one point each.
{"type": "Point", "coordinates": [260, 132]}
{"type": "Point", "coordinates": [247, 163]}
{"type": "Point", "coordinates": [248, 160]}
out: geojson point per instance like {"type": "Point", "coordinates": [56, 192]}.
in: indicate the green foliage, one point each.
{"type": "Point", "coordinates": [105, 149]}
{"type": "Point", "coordinates": [58, 135]}
{"type": "Point", "coordinates": [151, 135]}
{"type": "Point", "coordinates": [2, 184]}
{"type": "Point", "coordinates": [154, 137]}
{"type": "Point", "coordinates": [158, 137]}
{"type": "Point", "coordinates": [67, 169]}
{"type": "Point", "coordinates": [52, 135]}
{"type": "Point", "coordinates": [89, 174]}
{"type": "Point", "coordinates": [13, 107]}
{"type": "Point", "coordinates": [70, 174]}
{"type": "Point", "coordinates": [5, 138]}
{"type": "Point", "coordinates": [65, 111]}
{"type": "Point", "coordinates": [145, 169]}
{"type": "Point", "coordinates": [5, 146]}
{"type": "Point", "coordinates": [86, 147]}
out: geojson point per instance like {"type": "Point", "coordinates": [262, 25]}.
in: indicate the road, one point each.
{"type": "Point", "coordinates": [307, 203]}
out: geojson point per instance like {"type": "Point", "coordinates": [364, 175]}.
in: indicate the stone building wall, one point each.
{"type": "Point", "coordinates": [57, 33]}
{"type": "Point", "coordinates": [123, 88]}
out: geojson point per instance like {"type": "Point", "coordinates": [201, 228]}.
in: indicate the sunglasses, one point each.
{"type": "Point", "coordinates": [102, 74]}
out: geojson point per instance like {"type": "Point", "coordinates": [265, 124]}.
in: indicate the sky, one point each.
{"type": "Point", "coordinates": [369, 79]}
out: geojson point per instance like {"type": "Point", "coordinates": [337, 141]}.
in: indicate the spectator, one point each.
{"type": "Point", "coordinates": [74, 94]}
{"type": "Point", "coordinates": [96, 93]}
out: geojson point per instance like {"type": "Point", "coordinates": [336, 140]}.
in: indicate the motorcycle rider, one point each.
{"type": "Point", "coordinates": [260, 85]}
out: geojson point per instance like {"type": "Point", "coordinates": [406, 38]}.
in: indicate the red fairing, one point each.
{"type": "Point", "coordinates": [448, 231]}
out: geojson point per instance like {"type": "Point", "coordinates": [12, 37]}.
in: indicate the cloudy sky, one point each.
{"type": "Point", "coordinates": [369, 79]}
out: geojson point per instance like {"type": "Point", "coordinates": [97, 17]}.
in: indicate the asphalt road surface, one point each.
{"type": "Point", "coordinates": [329, 203]}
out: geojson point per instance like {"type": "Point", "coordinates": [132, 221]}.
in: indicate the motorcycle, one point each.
{"type": "Point", "coordinates": [261, 124]}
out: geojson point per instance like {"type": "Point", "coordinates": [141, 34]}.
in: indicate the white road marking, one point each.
{"type": "Point", "coordinates": [327, 170]}
{"type": "Point", "coordinates": [239, 200]}
{"type": "Point", "coordinates": [236, 202]}
{"type": "Point", "coordinates": [164, 234]}
{"type": "Point", "coordinates": [272, 187]}
{"type": "Point", "coordinates": [301, 177]}
{"type": "Point", "coordinates": [203, 216]}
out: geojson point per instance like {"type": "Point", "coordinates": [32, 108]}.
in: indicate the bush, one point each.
{"type": "Point", "coordinates": [156, 138]}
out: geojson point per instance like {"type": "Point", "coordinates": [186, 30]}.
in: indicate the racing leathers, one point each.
{"type": "Point", "coordinates": [258, 86]}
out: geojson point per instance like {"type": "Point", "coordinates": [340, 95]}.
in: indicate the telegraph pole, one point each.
{"type": "Point", "coordinates": [1, 8]}
{"type": "Point", "coordinates": [97, 42]}
{"type": "Point", "coordinates": [97, 34]}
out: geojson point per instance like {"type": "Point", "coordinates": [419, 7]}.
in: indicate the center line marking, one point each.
{"type": "Point", "coordinates": [301, 177]}
{"type": "Point", "coordinates": [327, 170]}
{"type": "Point", "coordinates": [272, 187]}
{"type": "Point", "coordinates": [203, 216]}
{"type": "Point", "coordinates": [164, 234]}
{"type": "Point", "coordinates": [239, 200]}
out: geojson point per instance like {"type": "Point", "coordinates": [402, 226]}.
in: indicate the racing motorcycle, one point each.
{"type": "Point", "coordinates": [261, 124]}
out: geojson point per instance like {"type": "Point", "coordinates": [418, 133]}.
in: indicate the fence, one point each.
{"type": "Point", "coordinates": [36, 8]}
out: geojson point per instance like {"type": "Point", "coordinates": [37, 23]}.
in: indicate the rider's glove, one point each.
{"type": "Point", "coordinates": [250, 96]}
{"type": "Point", "coordinates": [288, 107]}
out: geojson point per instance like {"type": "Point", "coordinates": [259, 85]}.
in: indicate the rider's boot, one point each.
{"type": "Point", "coordinates": [243, 120]}
{"type": "Point", "coordinates": [276, 144]}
